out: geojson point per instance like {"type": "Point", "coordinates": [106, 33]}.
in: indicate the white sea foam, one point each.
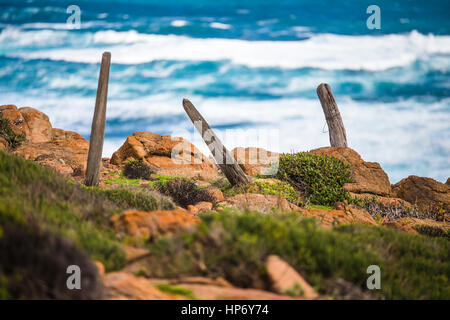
{"type": "Point", "coordinates": [327, 51]}
{"type": "Point", "coordinates": [179, 23]}
{"type": "Point", "coordinates": [406, 137]}
{"type": "Point", "coordinates": [219, 25]}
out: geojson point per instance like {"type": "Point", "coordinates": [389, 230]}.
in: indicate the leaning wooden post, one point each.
{"type": "Point", "coordinates": [223, 157]}
{"type": "Point", "coordinates": [336, 127]}
{"type": "Point", "coordinates": [98, 125]}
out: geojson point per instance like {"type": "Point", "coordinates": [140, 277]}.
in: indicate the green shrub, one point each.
{"type": "Point", "coordinates": [319, 177]}
{"type": "Point", "coordinates": [232, 243]}
{"type": "Point", "coordinates": [184, 192]}
{"type": "Point", "coordinates": [136, 169]}
{"type": "Point", "coordinates": [6, 132]}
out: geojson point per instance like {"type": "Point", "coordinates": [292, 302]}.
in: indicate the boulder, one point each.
{"type": "Point", "coordinates": [368, 177]}
{"type": "Point", "coordinates": [170, 156]}
{"type": "Point", "coordinates": [18, 123]}
{"type": "Point", "coordinates": [203, 206]}
{"type": "Point", "coordinates": [410, 224]}
{"type": "Point", "coordinates": [284, 279]}
{"type": "Point", "coordinates": [40, 129]}
{"type": "Point", "coordinates": [341, 214]}
{"type": "Point", "coordinates": [66, 153]}
{"type": "Point", "coordinates": [256, 160]}
{"type": "Point", "coordinates": [215, 193]}
{"type": "Point", "coordinates": [219, 289]}
{"type": "Point", "coordinates": [427, 193]}
{"type": "Point", "coordinates": [259, 202]}
{"type": "Point", "coordinates": [152, 224]}
{"type": "Point", "coordinates": [124, 286]}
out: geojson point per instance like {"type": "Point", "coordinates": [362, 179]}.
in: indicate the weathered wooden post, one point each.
{"type": "Point", "coordinates": [223, 157]}
{"type": "Point", "coordinates": [98, 124]}
{"type": "Point", "coordinates": [336, 127]}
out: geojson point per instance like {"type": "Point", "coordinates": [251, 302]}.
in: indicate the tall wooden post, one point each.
{"type": "Point", "coordinates": [98, 124]}
{"type": "Point", "coordinates": [223, 157]}
{"type": "Point", "coordinates": [336, 128]}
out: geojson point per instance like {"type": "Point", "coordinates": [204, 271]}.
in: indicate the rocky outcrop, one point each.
{"type": "Point", "coordinates": [427, 193]}
{"type": "Point", "coordinates": [152, 224]}
{"type": "Point", "coordinates": [284, 279]}
{"type": "Point", "coordinates": [256, 160]}
{"type": "Point", "coordinates": [170, 156]}
{"type": "Point", "coordinates": [124, 286]}
{"type": "Point", "coordinates": [63, 151]}
{"type": "Point", "coordinates": [18, 123]}
{"type": "Point", "coordinates": [66, 152]}
{"type": "Point", "coordinates": [342, 213]}
{"type": "Point", "coordinates": [259, 202]}
{"type": "Point", "coordinates": [410, 225]}
{"type": "Point", "coordinates": [368, 177]}
{"type": "Point", "coordinates": [38, 124]}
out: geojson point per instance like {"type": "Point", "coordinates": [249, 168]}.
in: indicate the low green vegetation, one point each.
{"type": "Point", "coordinates": [29, 192]}
{"type": "Point", "coordinates": [262, 186]}
{"type": "Point", "coordinates": [137, 169]}
{"type": "Point", "coordinates": [140, 198]}
{"type": "Point", "coordinates": [6, 132]}
{"type": "Point", "coordinates": [171, 289]}
{"type": "Point", "coordinates": [122, 180]}
{"type": "Point", "coordinates": [319, 177]}
{"type": "Point", "coordinates": [232, 243]}
{"type": "Point", "coordinates": [184, 192]}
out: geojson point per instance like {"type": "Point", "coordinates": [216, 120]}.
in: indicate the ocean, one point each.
{"type": "Point", "coordinates": [250, 67]}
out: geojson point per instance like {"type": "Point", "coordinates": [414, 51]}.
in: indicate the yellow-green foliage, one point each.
{"type": "Point", "coordinates": [276, 187]}
{"type": "Point", "coordinates": [171, 289]}
{"type": "Point", "coordinates": [320, 177]}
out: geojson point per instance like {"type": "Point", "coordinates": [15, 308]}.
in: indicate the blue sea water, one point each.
{"type": "Point", "coordinates": [251, 67]}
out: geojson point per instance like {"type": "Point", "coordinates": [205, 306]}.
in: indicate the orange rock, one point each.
{"type": "Point", "coordinates": [342, 214]}
{"type": "Point", "coordinates": [121, 286]}
{"type": "Point", "coordinates": [255, 160]}
{"type": "Point", "coordinates": [66, 153]}
{"type": "Point", "coordinates": [215, 194]}
{"type": "Point", "coordinates": [172, 156]}
{"type": "Point", "coordinates": [18, 124]}
{"type": "Point", "coordinates": [285, 279]}
{"type": "Point", "coordinates": [259, 202]}
{"type": "Point", "coordinates": [409, 224]}
{"type": "Point", "coordinates": [192, 209]}
{"type": "Point", "coordinates": [368, 176]}
{"type": "Point", "coordinates": [154, 223]}
{"type": "Point", "coordinates": [203, 206]}
{"type": "Point", "coordinates": [427, 193]}
{"type": "Point", "coordinates": [100, 268]}
{"type": "Point", "coordinates": [40, 129]}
